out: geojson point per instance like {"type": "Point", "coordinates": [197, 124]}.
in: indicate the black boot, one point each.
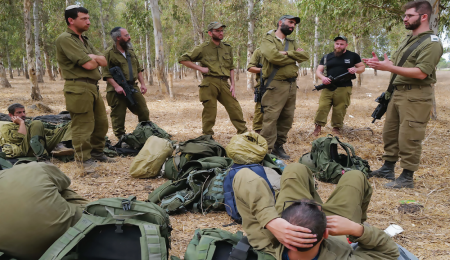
{"type": "Point", "coordinates": [405, 180]}
{"type": "Point", "coordinates": [386, 171]}
{"type": "Point", "coordinates": [278, 151]}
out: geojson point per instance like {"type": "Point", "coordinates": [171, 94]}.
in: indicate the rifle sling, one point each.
{"type": "Point", "coordinates": [404, 58]}
{"type": "Point", "coordinates": [130, 69]}
{"type": "Point", "coordinates": [275, 69]}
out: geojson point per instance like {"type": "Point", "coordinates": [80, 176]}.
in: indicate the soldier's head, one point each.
{"type": "Point", "coordinates": [17, 110]}
{"type": "Point", "coordinates": [308, 214]}
{"type": "Point", "coordinates": [121, 37]}
{"type": "Point", "coordinates": [416, 13]}
{"type": "Point", "coordinates": [77, 18]}
{"type": "Point", "coordinates": [286, 24]}
{"type": "Point", "coordinates": [216, 31]}
{"type": "Point", "coordinates": [340, 45]}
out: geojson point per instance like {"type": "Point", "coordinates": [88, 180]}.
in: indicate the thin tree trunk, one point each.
{"type": "Point", "coordinates": [148, 51]}
{"type": "Point", "coordinates": [250, 48]}
{"type": "Point", "coordinates": [238, 63]}
{"type": "Point", "coordinates": [159, 44]}
{"type": "Point", "coordinates": [357, 51]}
{"type": "Point", "coordinates": [37, 47]}
{"type": "Point", "coordinates": [18, 71]}
{"type": "Point", "coordinates": [102, 23]}
{"type": "Point", "coordinates": [4, 83]}
{"type": "Point", "coordinates": [141, 52]}
{"type": "Point", "coordinates": [434, 25]}
{"type": "Point", "coordinates": [47, 64]}
{"type": "Point", "coordinates": [375, 72]}
{"type": "Point", "coordinates": [11, 76]}
{"type": "Point", "coordinates": [35, 92]}
{"type": "Point", "coordinates": [25, 68]}
{"type": "Point", "coordinates": [316, 49]}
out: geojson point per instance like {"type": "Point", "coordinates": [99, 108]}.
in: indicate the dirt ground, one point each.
{"type": "Point", "coordinates": [427, 233]}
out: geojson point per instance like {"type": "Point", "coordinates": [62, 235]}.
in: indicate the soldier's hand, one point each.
{"type": "Point", "coordinates": [120, 91]}
{"type": "Point", "coordinates": [299, 49]}
{"type": "Point", "coordinates": [289, 235]}
{"type": "Point", "coordinates": [374, 58]}
{"type": "Point", "coordinates": [284, 52]}
{"type": "Point", "coordinates": [352, 70]}
{"type": "Point", "coordinates": [143, 89]}
{"type": "Point", "coordinates": [17, 120]}
{"type": "Point", "coordinates": [325, 80]}
{"type": "Point", "coordinates": [338, 226]}
{"type": "Point", "coordinates": [233, 90]}
{"type": "Point", "coordinates": [204, 70]}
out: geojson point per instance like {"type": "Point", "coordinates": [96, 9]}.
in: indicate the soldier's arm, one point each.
{"type": "Point", "coordinates": [101, 61]}
{"type": "Point", "coordinates": [360, 67]}
{"type": "Point", "coordinates": [19, 121]}
{"type": "Point", "coordinates": [74, 52]}
{"type": "Point", "coordinates": [298, 54]}
{"type": "Point", "coordinates": [254, 60]}
{"type": "Point", "coordinates": [273, 55]}
{"type": "Point", "coordinates": [387, 65]}
{"type": "Point", "coordinates": [142, 81]}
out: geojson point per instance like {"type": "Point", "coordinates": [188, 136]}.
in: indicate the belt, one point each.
{"type": "Point", "coordinates": [217, 77]}
{"type": "Point", "coordinates": [290, 80]}
{"type": "Point", "coordinates": [87, 80]}
{"type": "Point", "coordinates": [409, 87]}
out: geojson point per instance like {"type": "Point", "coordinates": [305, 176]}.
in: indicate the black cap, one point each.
{"type": "Point", "coordinates": [286, 16]}
{"type": "Point", "coordinates": [340, 37]}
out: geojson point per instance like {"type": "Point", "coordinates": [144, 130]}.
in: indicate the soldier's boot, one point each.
{"type": "Point", "coordinates": [317, 130]}
{"type": "Point", "coordinates": [62, 150]}
{"type": "Point", "coordinates": [101, 157]}
{"type": "Point", "coordinates": [336, 131]}
{"type": "Point", "coordinates": [405, 180]}
{"type": "Point", "coordinates": [89, 166]}
{"type": "Point", "coordinates": [278, 151]}
{"type": "Point", "coordinates": [386, 171]}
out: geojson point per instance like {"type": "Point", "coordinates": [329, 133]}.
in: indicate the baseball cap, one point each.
{"type": "Point", "coordinates": [215, 25]}
{"type": "Point", "coordinates": [340, 37]}
{"type": "Point", "coordinates": [286, 16]}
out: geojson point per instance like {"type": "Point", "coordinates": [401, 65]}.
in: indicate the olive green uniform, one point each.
{"type": "Point", "coordinates": [280, 97]}
{"type": "Point", "coordinates": [350, 199]}
{"type": "Point", "coordinates": [9, 134]}
{"type": "Point", "coordinates": [408, 111]}
{"type": "Point", "coordinates": [214, 87]}
{"type": "Point", "coordinates": [83, 99]}
{"type": "Point", "coordinates": [37, 208]}
{"type": "Point", "coordinates": [255, 60]}
{"type": "Point", "coordinates": [118, 102]}
{"type": "Point", "coordinates": [339, 99]}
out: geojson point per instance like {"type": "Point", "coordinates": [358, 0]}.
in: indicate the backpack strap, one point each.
{"type": "Point", "coordinates": [153, 242]}
{"type": "Point", "coordinates": [240, 251]}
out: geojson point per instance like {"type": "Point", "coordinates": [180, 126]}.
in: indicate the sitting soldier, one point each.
{"type": "Point", "coordinates": [302, 232]}
{"type": "Point", "coordinates": [18, 134]}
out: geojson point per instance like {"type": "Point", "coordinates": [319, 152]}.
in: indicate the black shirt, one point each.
{"type": "Point", "coordinates": [338, 65]}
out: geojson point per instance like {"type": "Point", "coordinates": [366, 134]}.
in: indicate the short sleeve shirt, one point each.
{"type": "Point", "coordinates": [255, 61]}
{"type": "Point", "coordinates": [339, 65]}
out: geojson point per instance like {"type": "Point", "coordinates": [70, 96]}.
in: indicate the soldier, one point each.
{"type": "Point", "coordinates": [254, 66]}
{"type": "Point", "coordinates": [336, 63]}
{"type": "Point", "coordinates": [409, 109]}
{"type": "Point", "coordinates": [216, 60]}
{"type": "Point", "coordinates": [121, 54]}
{"type": "Point", "coordinates": [279, 99]}
{"type": "Point", "coordinates": [20, 132]}
{"type": "Point", "coordinates": [79, 62]}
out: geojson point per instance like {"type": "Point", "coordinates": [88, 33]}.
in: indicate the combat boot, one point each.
{"type": "Point", "coordinates": [101, 157]}
{"type": "Point", "coordinates": [280, 153]}
{"type": "Point", "coordinates": [62, 150]}
{"type": "Point", "coordinates": [317, 130]}
{"type": "Point", "coordinates": [89, 166]}
{"type": "Point", "coordinates": [336, 131]}
{"type": "Point", "coordinates": [386, 171]}
{"type": "Point", "coordinates": [405, 180]}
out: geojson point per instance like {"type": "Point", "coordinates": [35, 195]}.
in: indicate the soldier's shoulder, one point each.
{"type": "Point", "coordinates": [63, 36]}
{"type": "Point", "coordinates": [109, 49]}
{"type": "Point", "coordinates": [227, 44]}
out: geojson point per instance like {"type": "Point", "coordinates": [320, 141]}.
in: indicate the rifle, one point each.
{"type": "Point", "coordinates": [258, 91]}
{"type": "Point", "coordinates": [332, 86]}
{"type": "Point", "coordinates": [381, 108]}
{"type": "Point", "coordinates": [118, 77]}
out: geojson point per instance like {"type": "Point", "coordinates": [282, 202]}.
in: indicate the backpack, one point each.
{"type": "Point", "coordinates": [116, 228]}
{"type": "Point", "coordinates": [228, 193]}
{"type": "Point", "coordinates": [217, 244]}
{"type": "Point", "coordinates": [327, 164]}
{"type": "Point", "coordinates": [141, 133]}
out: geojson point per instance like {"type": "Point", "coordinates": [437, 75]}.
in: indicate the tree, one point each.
{"type": "Point", "coordinates": [250, 48]}
{"type": "Point", "coordinates": [35, 92]}
{"type": "Point", "coordinates": [4, 83]}
{"type": "Point", "coordinates": [37, 47]}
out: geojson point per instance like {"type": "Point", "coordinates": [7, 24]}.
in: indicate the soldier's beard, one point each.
{"type": "Point", "coordinates": [285, 29]}
{"type": "Point", "coordinates": [125, 45]}
{"type": "Point", "coordinates": [414, 25]}
{"type": "Point", "coordinates": [338, 53]}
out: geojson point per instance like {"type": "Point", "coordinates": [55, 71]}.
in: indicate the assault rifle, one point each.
{"type": "Point", "coordinates": [258, 91]}
{"type": "Point", "coordinates": [381, 108]}
{"type": "Point", "coordinates": [332, 86]}
{"type": "Point", "coordinates": [118, 77]}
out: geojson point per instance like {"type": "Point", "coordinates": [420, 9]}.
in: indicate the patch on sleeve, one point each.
{"type": "Point", "coordinates": [434, 38]}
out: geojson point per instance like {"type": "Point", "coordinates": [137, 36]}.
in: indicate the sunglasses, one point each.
{"type": "Point", "coordinates": [300, 202]}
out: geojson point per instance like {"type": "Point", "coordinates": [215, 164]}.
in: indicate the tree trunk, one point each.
{"type": "Point", "coordinates": [159, 44]}
{"type": "Point", "coordinates": [148, 51]}
{"type": "Point", "coordinates": [11, 76]}
{"type": "Point", "coordinates": [238, 63]}
{"type": "Point", "coordinates": [4, 83]}
{"type": "Point", "coordinates": [35, 92]}
{"type": "Point", "coordinates": [37, 47]}
{"type": "Point", "coordinates": [250, 32]}
{"type": "Point", "coordinates": [18, 72]}
{"type": "Point", "coordinates": [375, 72]}
{"type": "Point", "coordinates": [434, 25]}
{"type": "Point", "coordinates": [357, 51]}
{"type": "Point", "coordinates": [316, 49]}
{"type": "Point", "coordinates": [102, 23]}
{"type": "Point", "coordinates": [25, 68]}
{"type": "Point", "coordinates": [47, 64]}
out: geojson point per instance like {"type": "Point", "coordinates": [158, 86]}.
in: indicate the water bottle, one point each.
{"type": "Point", "coordinates": [280, 164]}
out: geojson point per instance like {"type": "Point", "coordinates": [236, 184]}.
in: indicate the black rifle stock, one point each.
{"type": "Point", "coordinates": [118, 77]}
{"type": "Point", "coordinates": [332, 86]}
{"type": "Point", "coordinates": [380, 110]}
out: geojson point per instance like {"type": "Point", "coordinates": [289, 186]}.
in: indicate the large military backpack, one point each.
{"type": "Point", "coordinates": [116, 228]}
{"type": "Point", "coordinates": [142, 132]}
{"type": "Point", "coordinates": [326, 162]}
{"type": "Point", "coordinates": [217, 244]}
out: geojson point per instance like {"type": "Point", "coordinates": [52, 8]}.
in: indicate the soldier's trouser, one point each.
{"type": "Point", "coordinates": [213, 89]}
{"type": "Point", "coordinates": [279, 107]}
{"type": "Point", "coordinates": [89, 121]}
{"type": "Point", "coordinates": [257, 117]}
{"type": "Point", "coordinates": [37, 128]}
{"type": "Point", "coordinates": [119, 105]}
{"type": "Point", "coordinates": [350, 199]}
{"type": "Point", "coordinates": [339, 99]}
{"type": "Point", "coordinates": [407, 117]}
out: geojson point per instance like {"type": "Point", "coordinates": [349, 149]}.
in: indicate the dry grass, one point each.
{"type": "Point", "coordinates": [426, 232]}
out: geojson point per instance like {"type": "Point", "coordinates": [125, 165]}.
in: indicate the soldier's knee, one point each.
{"type": "Point", "coordinates": [243, 177]}
{"type": "Point", "coordinates": [37, 124]}
{"type": "Point", "coordinates": [354, 176]}
{"type": "Point", "coordinates": [296, 170]}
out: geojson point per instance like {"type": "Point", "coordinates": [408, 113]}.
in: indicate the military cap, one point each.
{"type": "Point", "coordinates": [286, 16]}
{"type": "Point", "coordinates": [340, 37]}
{"type": "Point", "coordinates": [215, 25]}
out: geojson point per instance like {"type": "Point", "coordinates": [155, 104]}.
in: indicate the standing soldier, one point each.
{"type": "Point", "coordinates": [216, 60]}
{"type": "Point", "coordinates": [280, 72]}
{"type": "Point", "coordinates": [336, 63]}
{"type": "Point", "coordinates": [255, 66]}
{"type": "Point", "coordinates": [79, 62]}
{"type": "Point", "coordinates": [409, 109]}
{"type": "Point", "coordinates": [121, 54]}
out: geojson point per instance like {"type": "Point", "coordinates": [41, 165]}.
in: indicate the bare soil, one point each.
{"type": "Point", "coordinates": [427, 231]}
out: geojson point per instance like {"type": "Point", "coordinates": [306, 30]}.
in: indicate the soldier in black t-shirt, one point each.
{"type": "Point", "coordinates": [336, 63]}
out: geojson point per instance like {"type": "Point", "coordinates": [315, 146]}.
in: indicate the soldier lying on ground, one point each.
{"type": "Point", "coordinates": [15, 137]}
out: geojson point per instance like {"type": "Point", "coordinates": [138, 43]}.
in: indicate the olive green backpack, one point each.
{"type": "Point", "coordinates": [326, 162]}
{"type": "Point", "coordinates": [116, 228]}
{"type": "Point", "coordinates": [142, 132]}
